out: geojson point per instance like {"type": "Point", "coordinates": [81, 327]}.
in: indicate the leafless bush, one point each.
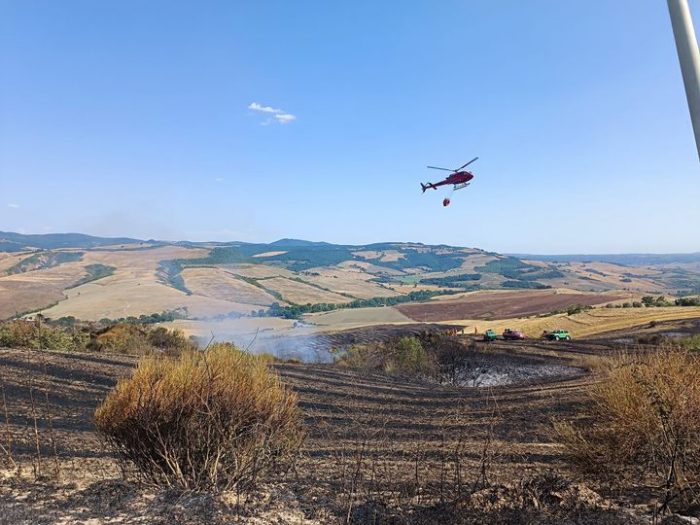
{"type": "Point", "coordinates": [214, 420]}
{"type": "Point", "coordinates": [643, 425]}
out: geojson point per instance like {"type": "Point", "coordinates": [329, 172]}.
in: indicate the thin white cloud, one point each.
{"type": "Point", "coordinates": [279, 115]}
{"type": "Point", "coordinates": [285, 118]}
{"type": "Point", "coordinates": [265, 109]}
{"type": "Point", "coordinates": [12, 205]}
{"type": "Point", "coordinates": [219, 179]}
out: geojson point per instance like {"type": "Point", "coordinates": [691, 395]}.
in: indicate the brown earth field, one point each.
{"type": "Point", "coordinates": [374, 443]}
{"type": "Point", "coordinates": [501, 305]}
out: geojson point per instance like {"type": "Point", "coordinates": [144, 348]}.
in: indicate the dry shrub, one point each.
{"type": "Point", "coordinates": [39, 334]}
{"type": "Point", "coordinates": [212, 420]}
{"type": "Point", "coordinates": [362, 357]}
{"type": "Point", "coordinates": [691, 342]}
{"type": "Point", "coordinates": [643, 425]}
{"type": "Point", "coordinates": [139, 339]}
{"type": "Point", "coordinates": [406, 356]}
{"type": "Point", "coordinates": [400, 356]}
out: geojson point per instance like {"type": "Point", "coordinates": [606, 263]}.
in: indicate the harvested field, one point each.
{"type": "Point", "coordinates": [258, 271]}
{"type": "Point", "coordinates": [370, 268]}
{"type": "Point", "coordinates": [348, 281]}
{"type": "Point", "coordinates": [221, 284]}
{"type": "Point", "coordinates": [585, 324]}
{"type": "Point", "coordinates": [7, 260]}
{"type": "Point", "coordinates": [485, 305]}
{"type": "Point", "coordinates": [474, 261]}
{"type": "Point", "coordinates": [357, 317]}
{"type": "Point", "coordinates": [38, 289]}
{"type": "Point", "coordinates": [122, 295]}
{"type": "Point", "coordinates": [607, 276]}
{"type": "Point", "coordinates": [670, 329]}
{"type": "Point", "coordinates": [134, 288]}
{"type": "Point", "coordinates": [302, 293]}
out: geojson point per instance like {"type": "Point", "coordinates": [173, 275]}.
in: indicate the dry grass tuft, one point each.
{"type": "Point", "coordinates": [213, 420]}
{"type": "Point", "coordinates": [643, 425]}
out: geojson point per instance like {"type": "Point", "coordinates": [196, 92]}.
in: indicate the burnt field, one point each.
{"type": "Point", "coordinates": [316, 347]}
{"type": "Point", "coordinates": [367, 434]}
{"type": "Point", "coordinates": [500, 305]}
{"type": "Point", "coordinates": [399, 422]}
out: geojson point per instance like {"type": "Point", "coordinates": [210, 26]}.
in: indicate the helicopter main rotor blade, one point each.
{"type": "Point", "coordinates": [436, 168]}
{"type": "Point", "coordinates": [467, 164]}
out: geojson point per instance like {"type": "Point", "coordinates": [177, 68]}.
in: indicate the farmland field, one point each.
{"type": "Point", "coordinates": [484, 305]}
{"type": "Point", "coordinates": [351, 282]}
{"type": "Point", "coordinates": [223, 284]}
{"type": "Point", "coordinates": [347, 318]}
{"type": "Point", "coordinates": [584, 324]}
{"type": "Point", "coordinates": [22, 292]}
{"type": "Point", "coordinates": [209, 284]}
{"type": "Point", "coordinates": [301, 292]}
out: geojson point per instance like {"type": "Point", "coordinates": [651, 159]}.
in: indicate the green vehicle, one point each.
{"type": "Point", "coordinates": [557, 335]}
{"type": "Point", "coordinates": [490, 335]}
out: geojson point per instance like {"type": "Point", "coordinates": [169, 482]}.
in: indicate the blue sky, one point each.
{"type": "Point", "coordinates": [134, 118]}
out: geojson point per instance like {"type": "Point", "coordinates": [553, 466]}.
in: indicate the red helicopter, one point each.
{"type": "Point", "coordinates": [460, 179]}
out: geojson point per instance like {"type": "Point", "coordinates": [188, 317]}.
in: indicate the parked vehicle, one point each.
{"type": "Point", "coordinates": [557, 335]}
{"type": "Point", "coordinates": [490, 335]}
{"type": "Point", "coordinates": [509, 334]}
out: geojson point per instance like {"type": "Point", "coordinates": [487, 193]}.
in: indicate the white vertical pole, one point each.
{"type": "Point", "coordinates": [689, 57]}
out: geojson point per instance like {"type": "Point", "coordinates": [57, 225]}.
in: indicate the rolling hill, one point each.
{"type": "Point", "coordinates": [15, 242]}
{"type": "Point", "coordinates": [93, 277]}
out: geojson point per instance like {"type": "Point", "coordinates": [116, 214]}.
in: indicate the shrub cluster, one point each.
{"type": "Point", "coordinates": [208, 420]}
{"type": "Point", "coordinates": [643, 426]}
{"type": "Point", "coordinates": [435, 356]}
{"type": "Point", "coordinates": [691, 342]}
{"type": "Point", "coordinates": [400, 356]}
{"type": "Point", "coordinates": [67, 335]}
{"type": "Point", "coordinates": [137, 339]}
{"type": "Point", "coordinates": [650, 301]}
{"type": "Point", "coordinates": [38, 334]}
{"type": "Point", "coordinates": [577, 308]}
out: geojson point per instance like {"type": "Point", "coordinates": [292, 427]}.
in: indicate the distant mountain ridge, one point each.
{"type": "Point", "coordinates": [625, 259]}
{"type": "Point", "coordinates": [14, 242]}
{"type": "Point", "coordinates": [298, 243]}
